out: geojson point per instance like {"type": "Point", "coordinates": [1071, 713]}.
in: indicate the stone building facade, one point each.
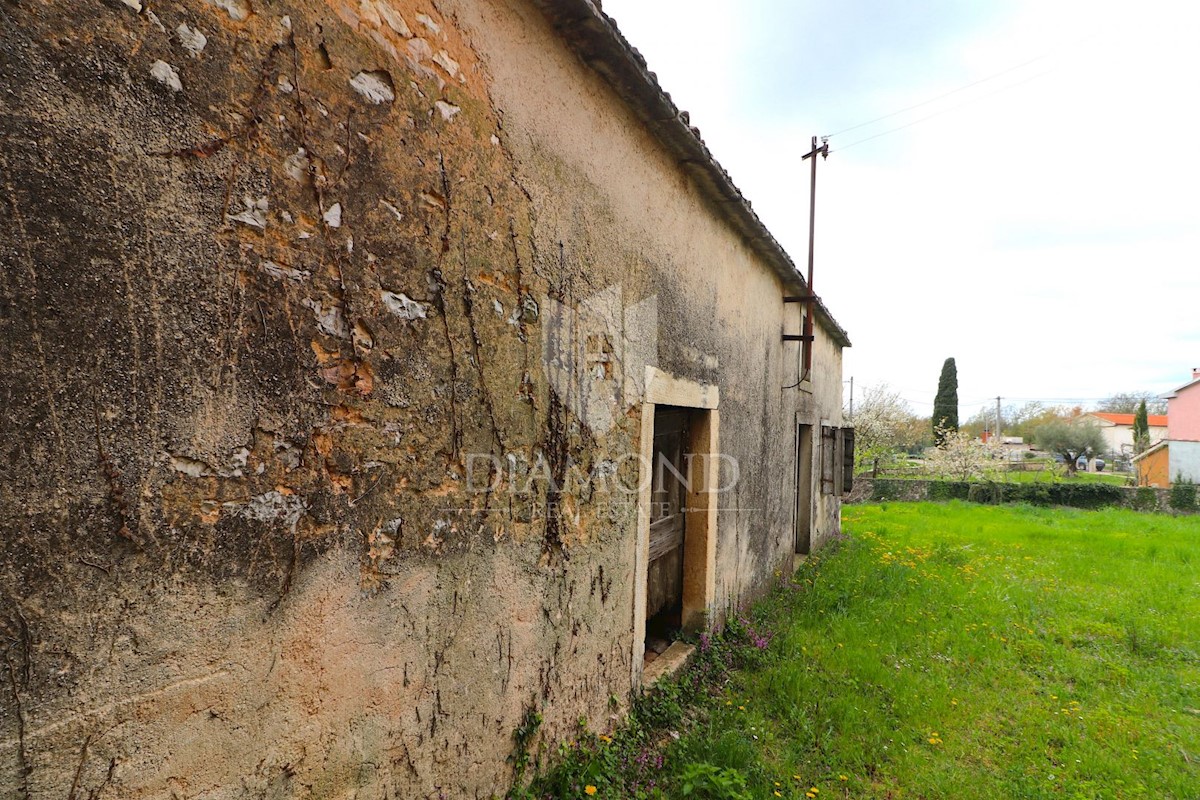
{"type": "Point", "coordinates": [336, 334]}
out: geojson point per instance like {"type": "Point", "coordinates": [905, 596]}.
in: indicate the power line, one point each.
{"type": "Point", "coordinates": [944, 95]}
{"type": "Point", "coordinates": [962, 88]}
{"type": "Point", "coordinates": [945, 111]}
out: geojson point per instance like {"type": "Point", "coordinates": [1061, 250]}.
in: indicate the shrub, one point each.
{"type": "Point", "coordinates": [989, 493]}
{"type": "Point", "coordinates": [1183, 495]}
{"type": "Point", "coordinates": [1144, 499]}
{"type": "Point", "coordinates": [1085, 495]}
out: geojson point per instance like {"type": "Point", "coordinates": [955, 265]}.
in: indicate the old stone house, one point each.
{"type": "Point", "coordinates": [376, 373]}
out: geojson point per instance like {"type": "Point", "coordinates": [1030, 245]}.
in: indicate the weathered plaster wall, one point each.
{"type": "Point", "coordinates": [609, 199]}
{"type": "Point", "coordinates": [272, 272]}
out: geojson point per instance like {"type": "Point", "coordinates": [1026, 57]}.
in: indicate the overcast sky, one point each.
{"type": "Point", "coordinates": [1041, 226]}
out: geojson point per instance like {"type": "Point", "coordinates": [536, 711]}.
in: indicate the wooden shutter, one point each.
{"type": "Point", "coordinates": [847, 460]}
{"type": "Point", "coordinates": [828, 445]}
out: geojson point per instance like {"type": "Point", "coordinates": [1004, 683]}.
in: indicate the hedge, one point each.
{"type": "Point", "coordinates": [1076, 495]}
{"type": "Point", "coordinates": [1183, 496]}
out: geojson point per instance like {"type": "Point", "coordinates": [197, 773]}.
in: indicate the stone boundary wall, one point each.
{"type": "Point", "coordinates": [867, 490]}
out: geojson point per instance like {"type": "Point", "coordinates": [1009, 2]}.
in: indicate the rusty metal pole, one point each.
{"type": "Point", "coordinates": [823, 151]}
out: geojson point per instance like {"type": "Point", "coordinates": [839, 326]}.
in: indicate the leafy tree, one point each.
{"type": "Point", "coordinates": [1130, 402]}
{"type": "Point", "coordinates": [915, 435]}
{"type": "Point", "coordinates": [983, 420]}
{"type": "Point", "coordinates": [1141, 429]}
{"type": "Point", "coordinates": [945, 403]}
{"type": "Point", "coordinates": [961, 457]}
{"type": "Point", "coordinates": [881, 427]}
{"type": "Point", "coordinates": [1070, 440]}
{"type": "Point", "coordinates": [1014, 420]}
{"type": "Point", "coordinates": [1031, 416]}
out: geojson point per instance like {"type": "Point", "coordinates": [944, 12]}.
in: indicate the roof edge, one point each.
{"type": "Point", "coordinates": [1154, 448]}
{"type": "Point", "coordinates": [595, 38]}
{"type": "Point", "coordinates": [1175, 392]}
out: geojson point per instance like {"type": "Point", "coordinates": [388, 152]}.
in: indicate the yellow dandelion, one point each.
{"type": "Point", "coordinates": [842, 778]}
{"type": "Point", "coordinates": [589, 789]}
{"type": "Point", "coordinates": [605, 739]}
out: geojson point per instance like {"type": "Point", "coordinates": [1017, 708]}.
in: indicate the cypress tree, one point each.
{"type": "Point", "coordinates": [945, 403]}
{"type": "Point", "coordinates": [1141, 429]}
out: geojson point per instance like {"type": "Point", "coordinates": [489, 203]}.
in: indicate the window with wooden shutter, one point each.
{"type": "Point", "coordinates": [847, 460]}
{"type": "Point", "coordinates": [828, 446]}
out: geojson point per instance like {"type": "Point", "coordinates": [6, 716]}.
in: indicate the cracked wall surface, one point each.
{"type": "Point", "coordinates": [273, 273]}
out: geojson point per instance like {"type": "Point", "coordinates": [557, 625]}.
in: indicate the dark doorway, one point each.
{"type": "Point", "coordinates": [668, 517]}
{"type": "Point", "coordinates": [804, 484]}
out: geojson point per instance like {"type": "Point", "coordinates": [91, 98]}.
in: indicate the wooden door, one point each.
{"type": "Point", "coordinates": [668, 499]}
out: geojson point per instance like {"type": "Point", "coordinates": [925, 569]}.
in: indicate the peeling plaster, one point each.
{"type": "Point", "coordinates": [447, 63]}
{"type": "Point", "coordinates": [420, 50]}
{"type": "Point", "coordinates": [284, 273]}
{"type": "Point", "coordinates": [273, 506]}
{"type": "Point", "coordinates": [296, 165]}
{"type": "Point", "coordinates": [429, 23]}
{"type": "Point", "coordinates": [192, 39]}
{"type": "Point", "coordinates": [255, 214]}
{"type": "Point", "coordinates": [404, 306]}
{"type": "Point", "coordinates": [329, 318]}
{"type": "Point", "coordinates": [238, 10]}
{"type": "Point", "coordinates": [192, 467]}
{"type": "Point", "coordinates": [167, 75]}
{"type": "Point", "coordinates": [392, 18]}
{"type": "Point", "coordinates": [395, 211]}
{"type": "Point", "coordinates": [375, 85]}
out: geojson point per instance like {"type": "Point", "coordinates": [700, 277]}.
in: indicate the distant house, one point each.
{"type": "Point", "coordinates": [1117, 429]}
{"type": "Point", "coordinates": [1178, 456]}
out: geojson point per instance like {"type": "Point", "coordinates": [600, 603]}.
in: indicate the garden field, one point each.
{"type": "Point", "coordinates": [937, 651]}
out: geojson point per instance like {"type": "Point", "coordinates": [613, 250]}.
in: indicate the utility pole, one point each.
{"type": "Point", "coordinates": [823, 151]}
{"type": "Point", "coordinates": [851, 397]}
{"type": "Point", "coordinates": [997, 420]}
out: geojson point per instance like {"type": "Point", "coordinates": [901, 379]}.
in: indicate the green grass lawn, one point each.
{"type": "Point", "coordinates": [939, 651]}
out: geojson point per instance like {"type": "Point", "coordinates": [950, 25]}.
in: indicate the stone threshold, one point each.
{"type": "Point", "coordinates": [670, 663]}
